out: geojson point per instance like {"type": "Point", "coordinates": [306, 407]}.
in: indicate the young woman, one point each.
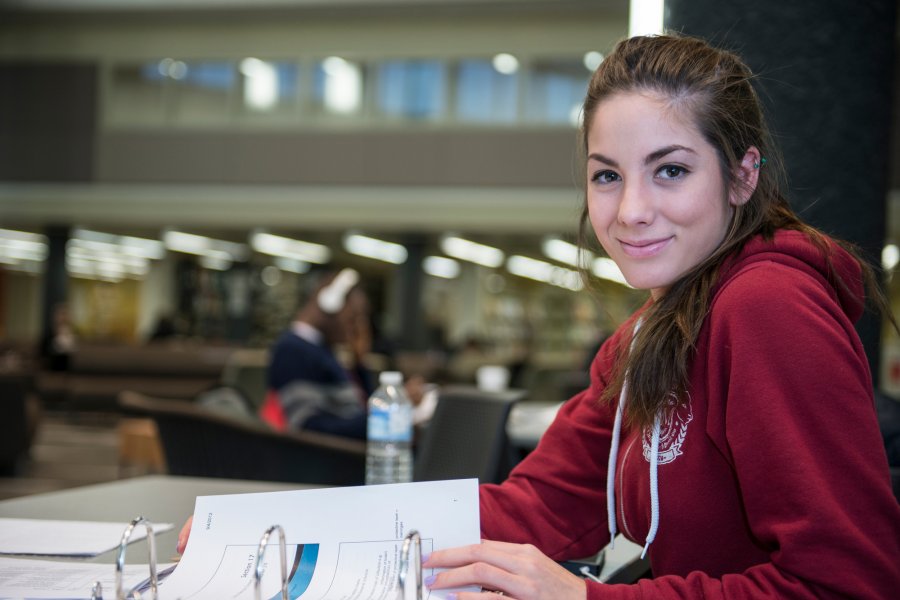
{"type": "Point", "coordinates": [729, 426]}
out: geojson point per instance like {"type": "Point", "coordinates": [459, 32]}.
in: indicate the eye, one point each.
{"type": "Point", "coordinates": [671, 172]}
{"type": "Point", "coordinates": [604, 177]}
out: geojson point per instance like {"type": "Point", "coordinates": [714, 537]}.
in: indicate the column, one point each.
{"type": "Point", "coordinates": [825, 76]}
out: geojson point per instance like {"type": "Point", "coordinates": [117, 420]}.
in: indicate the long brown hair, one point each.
{"type": "Point", "coordinates": [714, 87]}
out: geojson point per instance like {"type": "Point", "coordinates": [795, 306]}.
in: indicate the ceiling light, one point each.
{"type": "Point", "coordinates": [369, 247]}
{"type": "Point", "coordinates": [540, 270]}
{"type": "Point", "coordinates": [276, 245]}
{"type": "Point", "coordinates": [890, 257]}
{"type": "Point", "coordinates": [506, 64]}
{"type": "Point", "coordinates": [471, 251]}
{"type": "Point", "coordinates": [564, 252]}
{"type": "Point", "coordinates": [343, 85]}
{"type": "Point", "coordinates": [260, 84]}
{"type": "Point", "coordinates": [606, 268]}
{"type": "Point", "coordinates": [645, 17]}
{"type": "Point", "coordinates": [118, 244]}
{"type": "Point", "coordinates": [217, 260]}
{"type": "Point", "coordinates": [440, 266]}
{"type": "Point", "coordinates": [592, 60]}
{"type": "Point", "coordinates": [291, 265]}
{"type": "Point", "coordinates": [23, 251]}
{"type": "Point", "coordinates": [190, 243]}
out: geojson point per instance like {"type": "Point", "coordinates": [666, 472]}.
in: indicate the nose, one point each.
{"type": "Point", "coordinates": [635, 205]}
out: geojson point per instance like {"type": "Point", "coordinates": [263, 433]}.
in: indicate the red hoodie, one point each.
{"type": "Point", "coordinates": [773, 481]}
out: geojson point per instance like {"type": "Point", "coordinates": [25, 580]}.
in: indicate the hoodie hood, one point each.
{"type": "Point", "coordinates": [831, 264]}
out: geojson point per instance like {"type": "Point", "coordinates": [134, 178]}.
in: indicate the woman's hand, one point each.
{"type": "Point", "coordinates": [183, 535]}
{"type": "Point", "coordinates": [517, 571]}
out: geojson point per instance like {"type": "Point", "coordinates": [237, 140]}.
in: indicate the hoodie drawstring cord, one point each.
{"type": "Point", "coordinates": [654, 486]}
{"type": "Point", "coordinates": [611, 468]}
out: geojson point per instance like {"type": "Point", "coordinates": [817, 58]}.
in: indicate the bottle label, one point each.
{"type": "Point", "coordinates": [390, 426]}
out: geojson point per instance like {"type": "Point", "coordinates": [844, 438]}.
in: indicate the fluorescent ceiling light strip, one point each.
{"type": "Point", "coordinates": [472, 251]}
{"type": "Point", "coordinates": [186, 242]}
{"type": "Point", "coordinates": [153, 249]}
{"type": "Point", "coordinates": [190, 243]}
{"type": "Point", "coordinates": [369, 247]}
{"type": "Point", "coordinates": [292, 265]}
{"type": "Point", "coordinates": [276, 245]}
{"type": "Point", "coordinates": [564, 252]}
{"type": "Point", "coordinates": [22, 236]}
{"type": "Point", "coordinates": [216, 263]}
{"type": "Point", "coordinates": [124, 244]}
{"type": "Point", "coordinates": [606, 268]}
{"type": "Point", "coordinates": [24, 251]}
{"type": "Point", "coordinates": [545, 272]}
{"type": "Point", "coordinates": [439, 266]}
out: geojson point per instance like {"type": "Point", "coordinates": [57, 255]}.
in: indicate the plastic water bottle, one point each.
{"type": "Point", "coordinates": [390, 431]}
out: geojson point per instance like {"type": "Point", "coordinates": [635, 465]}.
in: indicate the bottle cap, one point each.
{"type": "Point", "coordinates": [390, 378]}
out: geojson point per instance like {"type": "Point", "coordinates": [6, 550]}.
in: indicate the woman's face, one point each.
{"type": "Point", "coordinates": [655, 192]}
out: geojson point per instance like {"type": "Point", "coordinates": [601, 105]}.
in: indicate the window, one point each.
{"type": "Point", "coordinates": [269, 87]}
{"type": "Point", "coordinates": [203, 91]}
{"type": "Point", "coordinates": [484, 94]}
{"type": "Point", "coordinates": [338, 87]}
{"type": "Point", "coordinates": [412, 89]}
{"type": "Point", "coordinates": [556, 90]}
{"type": "Point", "coordinates": [481, 91]}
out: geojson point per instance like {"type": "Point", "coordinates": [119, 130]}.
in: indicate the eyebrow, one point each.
{"type": "Point", "coordinates": [650, 158]}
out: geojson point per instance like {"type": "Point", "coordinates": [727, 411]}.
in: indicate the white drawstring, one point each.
{"type": "Point", "coordinates": [611, 467]}
{"type": "Point", "coordinates": [654, 486]}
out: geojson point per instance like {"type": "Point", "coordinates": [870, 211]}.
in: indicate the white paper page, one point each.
{"type": "Point", "coordinates": [342, 543]}
{"type": "Point", "coordinates": [23, 578]}
{"type": "Point", "coordinates": [66, 538]}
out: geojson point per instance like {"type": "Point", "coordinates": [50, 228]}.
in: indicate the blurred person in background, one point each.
{"type": "Point", "coordinates": [316, 377]}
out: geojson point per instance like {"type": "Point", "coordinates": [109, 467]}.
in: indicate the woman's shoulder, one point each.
{"type": "Point", "coordinates": [779, 295]}
{"type": "Point", "coordinates": [778, 274]}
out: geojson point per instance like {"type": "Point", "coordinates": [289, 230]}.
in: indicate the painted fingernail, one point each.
{"type": "Point", "coordinates": [425, 557]}
{"type": "Point", "coordinates": [429, 581]}
{"type": "Point", "coordinates": [179, 547]}
{"type": "Point", "coordinates": [451, 596]}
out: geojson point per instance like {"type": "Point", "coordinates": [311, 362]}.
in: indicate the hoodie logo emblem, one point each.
{"type": "Point", "coordinates": [672, 431]}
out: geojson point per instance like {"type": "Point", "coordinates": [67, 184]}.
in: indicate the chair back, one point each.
{"type": "Point", "coordinates": [246, 371]}
{"type": "Point", "coordinates": [466, 437]}
{"type": "Point", "coordinates": [200, 443]}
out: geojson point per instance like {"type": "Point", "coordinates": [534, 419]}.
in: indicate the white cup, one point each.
{"type": "Point", "coordinates": [492, 378]}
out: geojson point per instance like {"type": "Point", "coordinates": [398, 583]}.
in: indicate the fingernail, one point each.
{"type": "Point", "coordinates": [429, 581]}
{"type": "Point", "coordinates": [425, 557]}
{"type": "Point", "coordinates": [451, 596]}
{"type": "Point", "coordinates": [179, 547]}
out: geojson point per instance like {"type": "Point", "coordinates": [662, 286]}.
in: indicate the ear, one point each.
{"type": "Point", "coordinates": [745, 177]}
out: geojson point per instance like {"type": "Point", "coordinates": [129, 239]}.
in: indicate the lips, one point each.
{"type": "Point", "coordinates": [644, 248]}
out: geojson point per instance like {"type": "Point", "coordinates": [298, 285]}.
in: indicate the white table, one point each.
{"type": "Point", "coordinates": [528, 421]}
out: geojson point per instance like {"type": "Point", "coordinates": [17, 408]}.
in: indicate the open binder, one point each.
{"type": "Point", "coordinates": [412, 542]}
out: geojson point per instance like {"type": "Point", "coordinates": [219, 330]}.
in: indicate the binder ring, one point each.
{"type": "Point", "coordinates": [120, 559]}
{"type": "Point", "coordinates": [258, 571]}
{"type": "Point", "coordinates": [412, 538]}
